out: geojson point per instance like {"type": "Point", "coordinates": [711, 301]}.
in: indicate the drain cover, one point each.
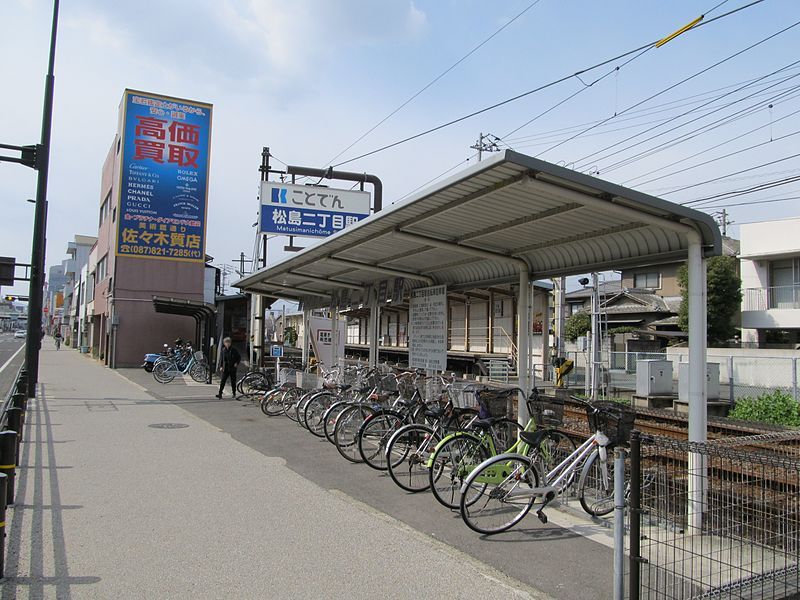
{"type": "Point", "coordinates": [168, 425]}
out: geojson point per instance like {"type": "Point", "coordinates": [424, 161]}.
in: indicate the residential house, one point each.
{"type": "Point", "coordinates": [770, 270]}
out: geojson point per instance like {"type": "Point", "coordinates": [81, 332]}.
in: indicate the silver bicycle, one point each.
{"type": "Point", "coordinates": [502, 490]}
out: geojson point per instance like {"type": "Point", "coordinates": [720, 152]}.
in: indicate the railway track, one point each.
{"type": "Point", "coordinates": [665, 424]}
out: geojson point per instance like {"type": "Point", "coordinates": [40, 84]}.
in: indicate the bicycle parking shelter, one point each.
{"type": "Point", "coordinates": [204, 315]}
{"type": "Point", "coordinates": [509, 219]}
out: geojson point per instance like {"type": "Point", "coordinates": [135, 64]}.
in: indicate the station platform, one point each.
{"type": "Point", "coordinates": [128, 488]}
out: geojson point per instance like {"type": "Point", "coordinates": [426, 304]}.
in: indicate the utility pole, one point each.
{"type": "Point", "coordinates": [34, 337]}
{"type": "Point", "coordinates": [485, 146]}
{"type": "Point", "coordinates": [242, 260]}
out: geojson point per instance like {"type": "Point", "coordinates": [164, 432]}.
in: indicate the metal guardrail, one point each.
{"type": "Point", "coordinates": [12, 420]}
{"type": "Point", "coordinates": [766, 298]}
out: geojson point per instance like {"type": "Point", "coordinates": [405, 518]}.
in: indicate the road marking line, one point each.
{"type": "Point", "coordinates": [13, 356]}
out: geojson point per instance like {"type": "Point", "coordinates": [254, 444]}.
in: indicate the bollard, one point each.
{"type": "Point", "coordinates": [3, 484]}
{"type": "Point", "coordinates": [619, 524]}
{"type": "Point", "coordinates": [15, 424]}
{"type": "Point", "coordinates": [8, 461]}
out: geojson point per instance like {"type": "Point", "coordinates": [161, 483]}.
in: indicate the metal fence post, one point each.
{"type": "Point", "coordinates": [794, 379]}
{"type": "Point", "coordinates": [619, 524]}
{"type": "Point", "coordinates": [635, 513]}
{"type": "Point", "coordinates": [732, 397]}
{"type": "Point", "coordinates": [8, 461]}
{"type": "Point", "coordinates": [3, 484]}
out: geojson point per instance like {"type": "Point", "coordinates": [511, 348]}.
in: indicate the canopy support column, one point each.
{"type": "Point", "coordinates": [697, 379]}
{"type": "Point", "coordinates": [306, 337]}
{"type": "Point", "coordinates": [372, 333]}
{"type": "Point", "coordinates": [523, 338]}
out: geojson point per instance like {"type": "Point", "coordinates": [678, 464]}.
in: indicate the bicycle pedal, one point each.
{"type": "Point", "coordinates": [542, 517]}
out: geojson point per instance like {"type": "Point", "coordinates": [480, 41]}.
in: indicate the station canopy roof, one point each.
{"type": "Point", "coordinates": [484, 225]}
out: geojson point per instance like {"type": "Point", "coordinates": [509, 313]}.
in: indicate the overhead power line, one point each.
{"type": "Point", "coordinates": [437, 78]}
{"type": "Point", "coordinates": [533, 91]}
{"type": "Point", "coordinates": [685, 113]}
{"type": "Point", "coordinates": [739, 172]}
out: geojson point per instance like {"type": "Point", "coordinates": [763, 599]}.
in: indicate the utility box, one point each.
{"type": "Point", "coordinates": [712, 377]}
{"type": "Point", "coordinates": [653, 378]}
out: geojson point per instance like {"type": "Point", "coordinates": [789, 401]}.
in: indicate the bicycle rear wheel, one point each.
{"type": "Point", "coordinates": [596, 486]}
{"type": "Point", "coordinates": [289, 400]}
{"type": "Point", "coordinates": [505, 433]}
{"type": "Point", "coordinates": [272, 403]}
{"type": "Point", "coordinates": [407, 456]}
{"type": "Point", "coordinates": [345, 433]}
{"type": "Point", "coordinates": [199, 372]}
{"type": "Point", "coordinates": [454, 459]}
{"type": "Point", "coordinates": [506, 497]}
{"type": "Point", "coordinates": [373, 437]}
{"type": "Point", "coordinates": [330, 416]}
{"type": "Point", "coordinates": [314, 410]}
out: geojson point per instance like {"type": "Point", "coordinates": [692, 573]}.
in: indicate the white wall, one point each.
{"type": "Point", "coordinates": [770, 238]}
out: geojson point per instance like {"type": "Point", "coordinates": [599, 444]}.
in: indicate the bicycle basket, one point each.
{"type": "Point", "coordinates": [198, 356]}
{"type": "Point", "coordinates": [613, 419]}
{"type": "Point", "coordinates": [493, 403]}
{"type": "Point", "coordinates": [546, 413]}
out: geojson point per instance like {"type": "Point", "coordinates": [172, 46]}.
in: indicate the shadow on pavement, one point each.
{"type": "Point", "coordinates": [34, 473]}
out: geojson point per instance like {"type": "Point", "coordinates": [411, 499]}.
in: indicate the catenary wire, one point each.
{"type": "Point", "coordinates": [436, 79]}
{"type": "Point", "coordinates": [532, 91]}
{"type": "Point", "coordinates": [679, 83]}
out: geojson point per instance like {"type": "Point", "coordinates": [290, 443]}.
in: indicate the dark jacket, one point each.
{"type": "Point", "coordinates": [230, 358]}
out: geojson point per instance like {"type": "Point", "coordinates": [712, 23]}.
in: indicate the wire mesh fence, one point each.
{"type": "Point", "coordinates": [739, 376]}
{"type": "Point", "coordinates": [716, 520]}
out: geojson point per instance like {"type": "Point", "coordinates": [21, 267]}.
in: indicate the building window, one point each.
{"type": "Point", "coordinates": [647, 280]}
{"type": "Point", "coordinates": [575, 307]}
{"type": "Point", "coordinates": [104, 208]}
{"type": "Point", "coordinates": [102, 269]}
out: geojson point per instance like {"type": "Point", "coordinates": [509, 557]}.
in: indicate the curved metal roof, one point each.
{"type": "Point", "coordinates": [483, 225]}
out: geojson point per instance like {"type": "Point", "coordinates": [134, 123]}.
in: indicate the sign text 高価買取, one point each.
{"type": "Point", "coordinates": [165, 146]}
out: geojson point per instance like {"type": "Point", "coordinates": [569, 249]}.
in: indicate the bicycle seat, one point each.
{"type": "Point", "coordinates": [434, 412]}
{"type": "Point", "coordinates": [533, 438]}
{"type": "Point", "coordinates": [406, 401]}
{"type": "Point", "coordinates": [345, 387]}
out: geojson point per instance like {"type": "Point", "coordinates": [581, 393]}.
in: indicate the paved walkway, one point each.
{"type": "Point", "coordinates": [109, 506]}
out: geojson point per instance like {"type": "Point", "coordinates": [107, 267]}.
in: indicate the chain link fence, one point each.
{"type": "Point", "coordinates": [715, 520]}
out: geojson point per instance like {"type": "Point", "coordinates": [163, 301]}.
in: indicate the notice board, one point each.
{"type": "Point", "coordinates": [428, 328]}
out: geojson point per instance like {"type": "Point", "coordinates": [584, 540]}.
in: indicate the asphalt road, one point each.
{"type": "Point", "coordinates": [560, 561]}
{"type": "Point", "coordinates": [11, 357]}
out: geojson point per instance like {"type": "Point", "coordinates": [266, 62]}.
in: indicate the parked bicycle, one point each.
{"type": "Point", "coordinates": [459, 453]}
{"type": "Point", "coordinates": [500, 491]}
{"type": "Point", "coordinates": [186, 362]}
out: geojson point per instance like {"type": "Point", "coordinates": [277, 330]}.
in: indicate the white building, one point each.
{"type": "Point", "coordinates": [770, 269]}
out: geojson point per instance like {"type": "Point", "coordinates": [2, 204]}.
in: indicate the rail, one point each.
{"type": "Point", "coordinates": [7, 402]}
{"type": "Point", "coordinates": [778, 296]}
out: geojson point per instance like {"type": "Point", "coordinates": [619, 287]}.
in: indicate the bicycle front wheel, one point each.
{"type": "Point", "coordinates": [596, 486]}
{"type": "Point", "coordinates": [508, 481]}
{"type": "Point", "coordinates": [454, 459]}
{"type": "Point", "coordinates": [163, 372]}
{"type": "Point", "coordinates": [407, 456]}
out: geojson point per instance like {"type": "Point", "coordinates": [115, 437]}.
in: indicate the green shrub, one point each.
{"type": "Point", "coordinates": [778, 408]}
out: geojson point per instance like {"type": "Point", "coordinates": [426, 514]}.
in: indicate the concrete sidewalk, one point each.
{"type": "Point", "coordinates": [121, 495]}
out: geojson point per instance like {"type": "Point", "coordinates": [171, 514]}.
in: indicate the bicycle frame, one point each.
{"type": "Point", "coordinates": [598, 442]}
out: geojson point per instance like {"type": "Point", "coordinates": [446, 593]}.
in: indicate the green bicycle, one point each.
{"type": "Point", "coordinates": [457, 455]}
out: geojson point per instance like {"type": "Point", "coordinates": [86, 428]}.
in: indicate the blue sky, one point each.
{"type": "Point", "coordinates": [307, 77]}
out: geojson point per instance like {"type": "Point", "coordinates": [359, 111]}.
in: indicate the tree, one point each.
{"type": "Point", "coordinates": [724, 298]}
{"type": "Point", "coordinates": [577, 325]}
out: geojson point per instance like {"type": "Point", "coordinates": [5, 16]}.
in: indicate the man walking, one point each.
{"type": "Point", "coordinates": [229, 362]}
